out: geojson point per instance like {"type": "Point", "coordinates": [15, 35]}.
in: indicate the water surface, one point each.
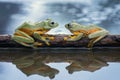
{"type": "Point", "coordinates": [51, 65]}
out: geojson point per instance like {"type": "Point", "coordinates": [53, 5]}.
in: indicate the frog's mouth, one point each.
{"type": "Point", "coordinates": [48, 27]}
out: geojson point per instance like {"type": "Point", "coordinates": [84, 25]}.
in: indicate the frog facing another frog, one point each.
{"type": "Point", "coordinates": [93, 32]}
{"type": "Point", "coordinates": [26, 33]}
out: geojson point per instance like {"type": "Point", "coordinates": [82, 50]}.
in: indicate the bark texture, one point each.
{"type": "Point", "coordinates": [108, 41]}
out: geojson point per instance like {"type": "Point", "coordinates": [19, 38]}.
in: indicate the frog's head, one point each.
{"type": "Point", "coordinates": [73, 26]}
{"type": "Point", "coordinates": [47, 24]}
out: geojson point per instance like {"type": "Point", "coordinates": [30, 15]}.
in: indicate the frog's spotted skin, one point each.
{"type": "Point", "coordinates": [93, 32]}
{"type": "Point", "coordinates": [26, 33]}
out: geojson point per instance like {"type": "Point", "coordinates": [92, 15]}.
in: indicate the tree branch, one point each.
{"type": "Point", "coordinates": [108, 41]}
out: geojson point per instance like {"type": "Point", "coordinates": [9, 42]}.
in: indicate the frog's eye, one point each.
{"type": "Point", "coordinates": [69, 25]}
{"type": "Point", "coordinates": [53, 24]}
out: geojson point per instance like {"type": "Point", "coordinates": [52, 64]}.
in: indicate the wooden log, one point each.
{"type": "Point", "coordinates": [108, 41]}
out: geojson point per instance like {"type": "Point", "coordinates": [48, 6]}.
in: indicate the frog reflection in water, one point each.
{"type": "Point", "coordinates": [26, 33]}
{"type": "Point", "coordinates": [93, 32]}
{"type": "Point", "coordinates": [33, 64]}
{"type": "Point", "coordinates": [36, 63]}
{"type": "Point", "coordinates": [91, 66]}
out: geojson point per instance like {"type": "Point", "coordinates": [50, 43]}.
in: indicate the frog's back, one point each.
{"type": "Point", "coordinates": [92, 26]}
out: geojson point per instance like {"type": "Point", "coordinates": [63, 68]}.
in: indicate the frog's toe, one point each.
{"type": "Point", "coordinates": [91, 43]}
{"type": "Point", "coordinates": [36, 44]}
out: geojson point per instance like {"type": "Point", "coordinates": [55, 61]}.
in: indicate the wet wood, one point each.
{"type": "Point", "coordinates": [108, 41]}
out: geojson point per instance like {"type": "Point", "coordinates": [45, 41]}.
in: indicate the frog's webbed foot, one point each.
{"type": "Point", "coordinates": [37, 44]}
{"type": "Point", "coordinates": [91, 43]}
{"type": "Point", "coordinates": [78, 37]}
{"type": "Point", "coordinates": [37, 36]}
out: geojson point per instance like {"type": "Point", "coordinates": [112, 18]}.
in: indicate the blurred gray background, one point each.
{"type": "Point", "coordinates": [105, 13]}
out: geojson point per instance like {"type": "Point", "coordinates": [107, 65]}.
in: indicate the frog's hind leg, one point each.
{"type": "Point", "coordinates": [37, 36]}
{"type": "Point", "coordinates": [96, 36]}
{"type": "Point", "coordinates": [24, 44]}
{"type": "Point", "coordinates": [23, 38]}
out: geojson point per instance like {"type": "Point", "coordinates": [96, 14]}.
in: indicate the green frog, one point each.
{"type": "Point", "coordinates": [26, 32]}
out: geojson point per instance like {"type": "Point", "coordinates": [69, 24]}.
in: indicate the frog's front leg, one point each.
{"type": "Point", "coordinates": [23, 38]}
{"type": "Point", "coordinates": [37, 36]}
{"type": "Point", "coordinates": [78, 37]}
{"type": "Point", "coordinates": [96, 36]}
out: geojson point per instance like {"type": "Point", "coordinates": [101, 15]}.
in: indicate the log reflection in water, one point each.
{"type": "Point", "coordinates": [35, 62]}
